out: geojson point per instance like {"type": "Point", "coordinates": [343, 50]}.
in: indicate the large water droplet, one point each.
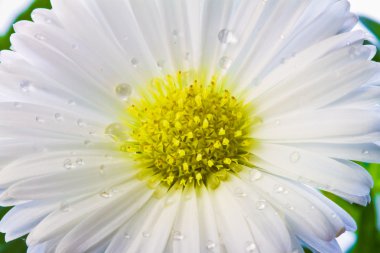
{"type": "Point", "coordinates": [225, 36]}
{"type": "Point", "coordinates": [123, 91]}
{"type": "Point", "coordinates": [261, 204]}
{"type": "Point", "coordinates": [255, 175]}
{"type": "Point", "coordinates": [178, 236]}
{"type": "Point", "coordinates": [225, 62]}
{"type": "Point", "coordinates": [117, 132]}
{"type": "Point", "coordinates": [251, 247]}
{"type": "Point", "coordinates": [295, 157]}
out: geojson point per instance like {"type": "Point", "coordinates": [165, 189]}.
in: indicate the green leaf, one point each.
{"type": "Point", "coordinates": [26, 15]}
{"type": "Point", "coordinates": [371, 25]}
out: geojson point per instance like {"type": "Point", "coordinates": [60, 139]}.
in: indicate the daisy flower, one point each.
{"type": "Point", "coordinates": [186, 126]}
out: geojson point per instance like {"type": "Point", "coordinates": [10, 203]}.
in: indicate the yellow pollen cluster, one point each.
{"type": "Point", "coordinates": [187, 133]}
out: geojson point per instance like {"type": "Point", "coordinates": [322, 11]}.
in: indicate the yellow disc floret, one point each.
{"type": "Point", "coordinates": [188, 133]}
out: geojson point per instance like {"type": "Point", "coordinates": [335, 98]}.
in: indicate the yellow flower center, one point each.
{"type": "Point", "coordinates": [184, 132]}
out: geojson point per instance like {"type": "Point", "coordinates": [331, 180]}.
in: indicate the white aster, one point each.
{"type": "Point", "coordinates": [74, 69]}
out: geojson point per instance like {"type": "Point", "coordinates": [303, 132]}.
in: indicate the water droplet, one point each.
{"type": "Point", "coordinates": [169, 201]}
{"type": "Point", "coordinates": [74, 46]}
{"type": "Point", "coordinates": [134, 62]}
{"type": "Point", "coordinates": [225, 36]}
{"type": "Point", "coordinates": [225, 62]}
{"type": "Point", "coordinates": [48, 21]}
{"type": "Point", "coordinates": [81, 123]}
{"type": "Point", "coordinates": [187, 56]}
{"type": "Point", "coordinates": [333, 215]}
{"type": "Point", "coordinates": [40, 120]}
{"type": "Point", "coordinates": [295, 157]}
{"type": "Point", "coordinates": [86, 142]}
{"type": "Point", "coordinates": [25, 86]}
{"type": "Point", "coordinates": [251, 247]}
{"type": "Point", "coordinates": [79, 162]}
{"type": "Point", "coordinates": [210, 245]}
{"type": "Point", "coordinates": [160, 64]}
{"type": "Point", "coordinates": [255, 175]}
{"type": "Point", "coordinates": [106, 194]}
{"type": "Point", "coordinates": [101, 169]}
{"type": "Point", "coordinates": [117, 132]}
{"type": "Point", "coordinates": [240, 193]}
{"type": "Point", "coordinates": [312, 207]}
{"type": "Point", "coordinates": [58, 117]}
{"type": "Point", "coordinates": [282, 36]}
{"type": "Point", "coordinates": [289, 206]}
{"type": "Point", "coordinates": [17, 105]}
{"type": "Point", "coordinates": [127, 236]}
{"type": "Point", "coordinates": [65, 207]}
{"type": "Point", "coordinates": [286, 192]}
{"type": "Point", "coordinates": [146, 234]}
{"type": "Point", "coordinates": [40, 36]}
{"type": "Point", "coordinates": [71, 102]}
{"type": "Point", "coordinates": [277, 122]}
{"type": "Point", "coordinates": [261, 204]}
{"type": "Point", "coordinates": [123, 91]}
{"type": "Point", "coordinates": [68, 164]}
{"type": "Point", "coordinates": [278, 188]}
{"type": "Point", "coordinates": [178, 236]}
{"type": "Point", "coordinates": [365, 152]}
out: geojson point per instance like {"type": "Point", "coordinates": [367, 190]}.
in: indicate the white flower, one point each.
{"type": "Point", "coordinates": [186, 126]}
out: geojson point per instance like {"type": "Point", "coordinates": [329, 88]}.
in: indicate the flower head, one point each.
{"type": "Point", "coordinates": [186, 126]}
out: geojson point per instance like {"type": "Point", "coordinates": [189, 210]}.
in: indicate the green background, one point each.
{"type": "Point", "coordinates": [368, 234]}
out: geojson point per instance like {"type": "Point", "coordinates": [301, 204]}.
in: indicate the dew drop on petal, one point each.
{"type": "Point", "coordinates": [295, 157]}
{"type": "Point", "coordinates": [333, 215]}
{"type": "Point", "coordinates": [101, 169]}
{"type": "Point", "coordinates": [17, 105]}
{"type": "Point", "coordinates": [81, 123]}
{"type": "Point", "coordinates": [123, 91]}
{"type": "Point", "coordinates": [134, 62]}
{"type": "Point", "coordinates": [225, 62]}
{"type": "Point", "coordinates": [178, 236]}
{"type": "Point", "coordinates": [146, 234]}
{"type": "Point", "coordinates": [277, 122]}
{"type": "Point", "coordinates": [261, 204]}
{"type": "Point", "coordinates": [40, 36]}
{"type": "Point", "coordinates": [65, 207]}
{"type": "Point", "coordinates": [80, 162]}
{"type": "Point", "coordinates": [225, 36]}
{"type": "Point", "coordinates": [251, 247]}
{"type": "Point", "coordinates": [127, 236]}
{"type": "Point", "coordinates": [365, 152]}
{"type": "Point", "coordinates": [106, 194]}
{"type": "Point", "coordinates": [40, 120]}
{"type": "Point", "coordinates": [278, 188]}
{"type": "Point", "coordinates": [239, 193]}
{"type": "Point", "coordinates": [58, 117]}
{"type": "Point", "coordinates": [210, 245]}
{"type": "Point", "coordinates": [160, 64]}
{"type": "Point", "coordinates": [68, 164]}
{"type": "Point", "coordinates": [116, 131]}
{"type": "Point", "coordinates": [25, 86]}
{"type": "Point", "coordinates": [71, 102]}
{"type": "Point", "coordinates": [48, 21]}
{"type": "Point", "coordinates": [255, 175]}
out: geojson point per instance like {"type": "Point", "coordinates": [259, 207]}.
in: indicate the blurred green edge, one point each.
{"type": "Point", "coordinates": [368, 235]}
